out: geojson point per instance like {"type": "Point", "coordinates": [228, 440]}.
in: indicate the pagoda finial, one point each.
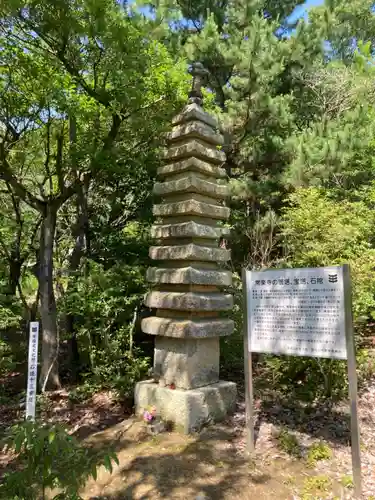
{"type": "Point", "coordinates": [199, 74]}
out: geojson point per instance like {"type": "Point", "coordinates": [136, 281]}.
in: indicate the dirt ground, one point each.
{"type": "Point", "coordinates": [214, 464]}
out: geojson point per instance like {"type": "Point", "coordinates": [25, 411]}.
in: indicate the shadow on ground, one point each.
{"type": "Point", "coordinates": [320, 421]}
{"type": "Point", "coordinates": [175, 466]}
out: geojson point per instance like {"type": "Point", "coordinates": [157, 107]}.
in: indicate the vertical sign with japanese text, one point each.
{"type": "Point", "coordinates": [32, 375]}
{"type": "Point", "coordinates": [300, 312]}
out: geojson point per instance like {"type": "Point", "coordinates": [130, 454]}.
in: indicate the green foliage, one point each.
{"type": "Point", "coordinates": [49, 459]}
{"type": "Point", "coordinates": [318, 451]}
{"type": "Point", "coordinates": [347, 481]}
{"type": "Point", "coordinates": [87, 89]}
{"type": "Point", "coordinates": [288, 443]}
{"type": "Point", "coordinates": [320, 230]}
{"type": "Point", "coordinates": [6, 358]}
{"type": "Point", "coordinates": [316, 485]}
{"type": "Point", "coordinates": [104, 304]}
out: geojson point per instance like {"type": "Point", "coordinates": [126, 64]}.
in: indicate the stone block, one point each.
{"type": "Point", "coordinates": [190, 410]}
{"type": "Point", "coordinates": [191, 207]}
{"type": "Point", "coordinates": [191, 165]}
{"type": "Point", "coordinates": [195, 149]}
{"type": "Point", "coordinates": [190, 251]}
{"type": "Point", "coordinates": [196, 113]}
{"type": "Point", "coordinates": [189, 276]}
{"type": "Point", "coordinates": [189, 301]}
{"type": "Point", "coordinates": [188, 328]}
{"type": "Point", "coordinates": [189, 229]}
{"type": "Point", "coordinates": [195, 129]}
{"type": "Point", "coordinates": [187, 363]}
{"type": "Point", "coordinates": [191, 184]}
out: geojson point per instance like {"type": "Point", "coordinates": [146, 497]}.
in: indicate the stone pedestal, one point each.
{"type": "Point", "coordinates": [188, 411]}
{"type": "Point", "coordinates": [188, 278]}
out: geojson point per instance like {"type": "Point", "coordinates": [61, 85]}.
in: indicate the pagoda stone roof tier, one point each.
{"type": "Point", "coordinates": [191, 164]}
{"type": "Point", "coordinates": [188, 229]}
{"type": "Point", "coordinates": [188, 328]}
{"type": "Point", "coordinates": [190, 251]}
{"type": "Point", "coordinates": [189, 276]}
{"type": "Point", "coordinates": [191, 207]}
{"type": "Point", "coordinates": [189, 301]}
{"type": "Point", "coordinates": [194, 149]}
{"type": "Point", "coordinates": [191, 184]}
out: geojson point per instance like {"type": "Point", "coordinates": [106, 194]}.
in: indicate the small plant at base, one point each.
{"type": "Point", "coordinates": [347, 481]}
{"type": "Point", "coordinates": [319, 451]}
{"type": "Point", "coordinates": [316, 484]}
{"type": "Point", "coordinates": [49, 459]}
{"type": "Point", "coordinates": [289, 443]}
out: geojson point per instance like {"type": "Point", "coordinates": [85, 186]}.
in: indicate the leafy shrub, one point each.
{"type": "Point", "coordinates": [319, 230]}
{"type": "Point", "coordinates": [104, 304]}
{"type": "Point", "coordinates": [315, 485]}
{"type": "Point", "coordinates": [49, 459]}
{"type": "Point", "coordinates": [6, 358]}
{"type": "Point", "coordinates": [288, 443]}
{"type": "Point", "coordinates": [319, 451]}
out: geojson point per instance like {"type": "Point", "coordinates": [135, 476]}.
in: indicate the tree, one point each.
{"type": "Point", "coordinates": [76, 77]}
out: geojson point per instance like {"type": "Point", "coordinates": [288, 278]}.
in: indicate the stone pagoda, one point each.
{"type": "Point", "coordinates": [187, 278]}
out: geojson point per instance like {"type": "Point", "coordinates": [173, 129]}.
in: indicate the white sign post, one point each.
{"type": "Point", "coordinates": [32, 375]}
{"type": "Point", "coordinates": [302, 312]}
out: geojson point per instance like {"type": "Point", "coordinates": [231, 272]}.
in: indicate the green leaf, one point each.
{"type": "Point", "coordinates": [108, 464]}
{"type": "Point", "coordinates": [18, 442]}
{"type": "Point", "coordinates": [94, 472]}
{"type": "Point", "coordinates": [51, 436]}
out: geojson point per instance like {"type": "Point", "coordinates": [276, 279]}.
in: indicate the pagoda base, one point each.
{"type": "Point", "coordinates": [187, 410]}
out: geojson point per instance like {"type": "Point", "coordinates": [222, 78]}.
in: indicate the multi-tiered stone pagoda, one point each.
{"type": "Point", "coordinates": [187, 277]}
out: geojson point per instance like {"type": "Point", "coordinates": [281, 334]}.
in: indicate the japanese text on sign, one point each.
{"type": "Point", "coordinates": [297, 312]}
{"type": "Point", "coordinates": [32, 376]}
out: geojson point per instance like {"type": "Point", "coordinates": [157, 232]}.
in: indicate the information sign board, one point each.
{"type": "Point", "coordinates": [301, 312]}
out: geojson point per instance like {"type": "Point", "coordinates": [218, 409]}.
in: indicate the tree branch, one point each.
{"type": "Point", "coordinates": [20, 190]}
{"type": "Point", "coordinates": [59, 161]}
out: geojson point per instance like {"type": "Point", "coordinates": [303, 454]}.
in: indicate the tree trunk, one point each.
{"type": "Point", "coordinates": [49, 375]}
{"type": "Point", "coordinates": [15, 266]}
{"type": "Point", "coordinates": [81, 248]}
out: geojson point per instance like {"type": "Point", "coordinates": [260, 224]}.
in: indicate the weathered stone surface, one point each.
{"type": "Point", "coordinates": [191, 165]}
{"type": "Point", "coordinates": [188, 363]}
{"type": "Point", "coordinates": [191, 184]}
{"type": "Point", "coordinates": [189, 229]}
{"type": "Point", "coordinates": [197, 150]}
{"type": "Point", "coordinates": [189, 301]}
{"type": "Point", "coordinates": [187, 325]}
{"type": "Point", "coordinates": [189, 252]}
{"type": "Point", "coordinates": [191, 207]}
{"type": "Point", "coordinates": [196, 113]}
{"type": "Point", "coordinates": [189, 276]}
{"type": "Point", "coordinates": [190, 410]}
{"type": "Point", "coordinates": [195, 129]}
{"type": "Point", "coordinates": [188, 328]}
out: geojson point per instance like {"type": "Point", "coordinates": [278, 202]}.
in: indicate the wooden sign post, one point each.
{"type": "Point", "coordinates": [32, 375]}
{"type": "Point", "coordinates": [302, 312]}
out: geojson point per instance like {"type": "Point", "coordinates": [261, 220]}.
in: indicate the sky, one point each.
{"type": "Point", "coordinates": [301, 10]}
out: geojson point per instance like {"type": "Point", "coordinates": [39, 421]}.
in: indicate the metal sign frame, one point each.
{"type": "Point", "coordinates": [352, 376]}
